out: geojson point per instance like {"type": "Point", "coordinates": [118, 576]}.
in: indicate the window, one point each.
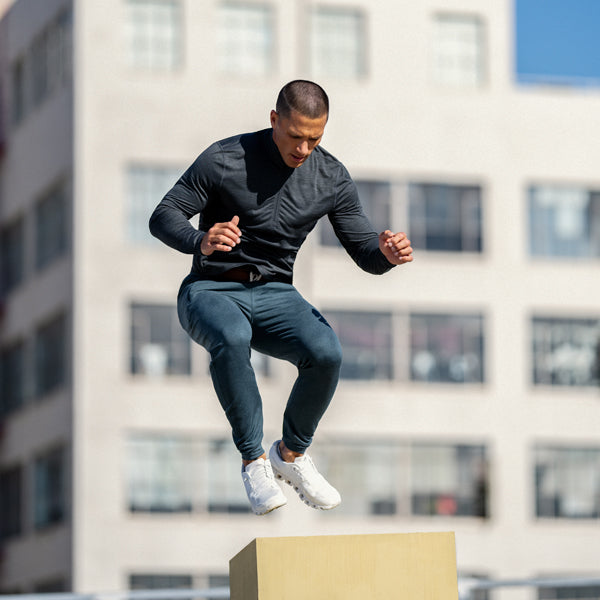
{"type": "Point", "coordinates": [12, 378]}
{"type": "Point", "coordinates": [52, 227]}
{"type": "Point", "coordinates": [449, 480]}
{"type": "Point", "coordinates": [12, 256]}
{"type": "Point", "coordinates": [376, 199]}
{"type": "Point", "coordinates": [564, 222]}
{"type": "Point", "coordinates": [394, 478]}
{"type": "Point", "coordinates": [159, 345]}
{"type": "Point", "coordinates": [162, 473]}
{"type": "Point", "coordinates": [580, 592]}
{"type": "Point", "coordinates": [566, 351]}
{"type": "Point", "coordinates": [154, 34]}
{"type": "Point", "coordinates": [146, 185]}
{"type": "Point", "coordinates": [51, 345]}
{"type": "Point", "coordinates": [458, 54]}
{"type": "Point", "coordinates": [445, 217]}
{"type": "Point", "coordinates": [447, 348]}
{"type": "Point", "coordinates": [245, 39]}
{"type": "Point", "coordinates": [44, 67]}
{"type": "Point", "coordinates": [19, 91]}
{"type": "Point", "coordinates": [50, 488]}
{"type": "Point", "coordinates": [225, 494]}
{"type": "Point", "coordinates": [337, 43]}
{"type": "Point", "coordinates": [160, 582]}
{"type": "Point", "coordinates": [11, 496]}
{"type": "Point", "coordinates": [567, 482]}
{"type": "Point", "coordinates": [174, 473]}
{"type": "Point", "coordinates": [367, 343]}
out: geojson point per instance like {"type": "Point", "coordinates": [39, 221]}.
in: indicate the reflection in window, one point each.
{"type": "Point", "coordinates": [154, 34]}
{"type": "Point", "coordinates": [366, 339]}
{"type": "Point", "coordinates": [449, 480]}
{"type": "Point", "coordinates": [245, 39]}
{"type": "Point", "coordinates": [566, 351]}
{"type": "Point", "coordinates": [567, 482]}
{"type": "Point", "coordinates": [337, 43]}
{"type": "Point", "coordinates": [159, 345]}
{"type": "Point", "coordinates": [564, 222]}
{"type": "Point", "coordinates": [395, 478]}
{"type": "Point", "coordinates": [445, 217]}
{"type": "Point", "coordinates": [458, 57]}
{"type": "Point", "coordinates": [447, 348]}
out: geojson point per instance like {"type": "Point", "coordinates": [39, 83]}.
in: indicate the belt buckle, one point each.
{"type": "Point", "coordinates": [252, 276]}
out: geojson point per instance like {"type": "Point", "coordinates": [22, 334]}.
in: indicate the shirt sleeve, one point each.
{"type": "Point", "coordinates": [170, 220]}
{"type": "Point", "coordinates": [354, 230]}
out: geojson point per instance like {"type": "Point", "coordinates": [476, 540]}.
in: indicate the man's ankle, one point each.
{"type": "Point", "coordinates": [247, 462]}
{"type": "Point", "coordinates": [286, 454]}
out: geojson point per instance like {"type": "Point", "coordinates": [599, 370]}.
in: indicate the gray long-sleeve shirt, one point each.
{"type": "Point", "coordinates": [277, 205]}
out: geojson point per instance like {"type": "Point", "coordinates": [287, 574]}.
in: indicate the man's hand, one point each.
{"type": "Point", "coordinates": [222, 237]}
{"type": "Point", "coordinates": [395, 247]}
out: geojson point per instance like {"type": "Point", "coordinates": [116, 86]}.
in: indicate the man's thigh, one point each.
{"type": "Point", "coordinates": [214, 312]}
{"type": "Point", "coordinates": [287, 326]}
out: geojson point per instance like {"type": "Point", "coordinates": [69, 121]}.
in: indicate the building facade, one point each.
{"type": "Point", "coordinates": [469, 395]}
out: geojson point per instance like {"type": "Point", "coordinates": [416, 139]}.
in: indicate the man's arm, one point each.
{"type": "Point", "coordinates": [188, 197]}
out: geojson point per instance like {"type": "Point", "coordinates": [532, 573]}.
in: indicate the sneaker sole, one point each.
{"type": "Point", "coordinates": [301, 493]}
{"type": "Point", "coordinates": [269, 510]}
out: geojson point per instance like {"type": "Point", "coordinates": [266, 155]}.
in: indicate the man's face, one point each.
{"type": "Point", "coordinates": [297, 136]}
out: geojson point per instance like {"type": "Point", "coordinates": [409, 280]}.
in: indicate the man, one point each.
{"type": "Point", "coordinates": [258, 196]}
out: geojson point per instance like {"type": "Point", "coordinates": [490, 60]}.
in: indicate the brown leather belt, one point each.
{"type": "Point", "coordinates": [240, 274]}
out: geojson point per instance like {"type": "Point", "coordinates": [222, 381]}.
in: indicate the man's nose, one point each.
{"type": "Point", "coordinates": [303, 147]}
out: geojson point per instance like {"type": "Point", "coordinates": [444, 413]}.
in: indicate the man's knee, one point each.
{"type": "Point", "coordinates": [326, 353]}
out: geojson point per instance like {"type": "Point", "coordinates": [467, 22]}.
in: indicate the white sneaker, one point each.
{"type": "Point", "coordinates": [262, 489]}
{"type": "Point", "coordinates": [303, 476]}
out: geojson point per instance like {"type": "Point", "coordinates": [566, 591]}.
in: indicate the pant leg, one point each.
{"type": "Point", "coordinates": [216, 315]}
{"type": "Point", "coordinates": [286, 326]}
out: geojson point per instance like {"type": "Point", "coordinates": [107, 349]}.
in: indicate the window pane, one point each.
{"type": "Point", "coordinates": [566, 351]}
{"type": "Point", "coordinates": [245, 39]}
{"type": "Point", "coordinates": [51, 344]}
{"type": "Point", "coordinates": [447, 348]}
{"type": "Point", "coordinates": [154, 34]}
{"type": "Point", "coordinates": [160, 582]}
{"type": "Point", "coordinates": [449, 480]}
{"type": "Point", "coordinates": [337, 43]}
{"type": "Point", "coordinates": [52, 228]}
{"type": "Point", "coordinates": [458, 50]}
{"type": "Point", "coordinates": [366, 340]}
{"type": "Point", "coordinates": [12, 378]}
{"type": "Point", "coordinates": [50, 493]}
{"type": "Point", "coordinates": [445, 217]}
{"type": "Point", "coordinates": [146, 185]}
{"type": "Point", "coordinates": [159, 345]}
{"type": "Point", "coordinates": [375, 197]}
{"type": "Point", "coordinates": [564, 222]}
{"type": "Point", "coordinates": [11, 496]}
{"type": "Point", "coordinates": [581, 592]}
{"type": "Point", "coordinates": [12, 256]}
{"type": "Point", "coordinates": [567, 482]}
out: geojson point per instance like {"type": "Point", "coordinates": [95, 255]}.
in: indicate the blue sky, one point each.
{"type": "Point", "coordinates": [558, 39]}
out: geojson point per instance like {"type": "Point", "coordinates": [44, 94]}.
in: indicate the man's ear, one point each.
{"type": "Point", "coordinates": [274, 117]}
